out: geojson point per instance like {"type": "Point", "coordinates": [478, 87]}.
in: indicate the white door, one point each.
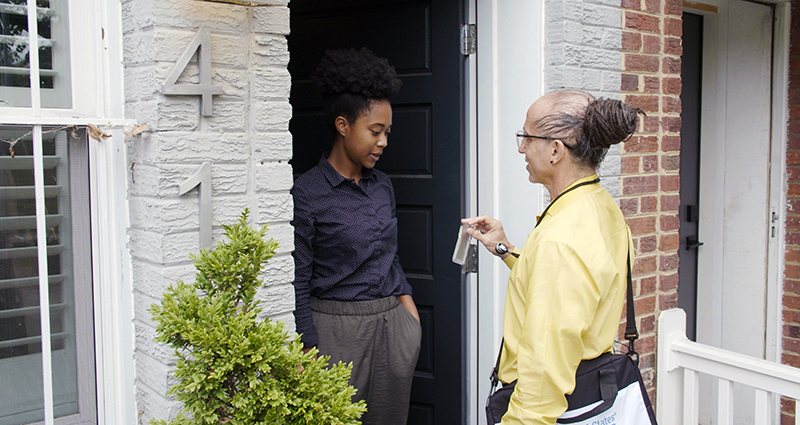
{"type": "Point", "coordinates": [733, 283]}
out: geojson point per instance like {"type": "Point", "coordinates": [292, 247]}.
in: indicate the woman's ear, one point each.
{"type": "Point", "coordinates": [341, 125]}
{"type": "Point", "coordinates": [557, 151]}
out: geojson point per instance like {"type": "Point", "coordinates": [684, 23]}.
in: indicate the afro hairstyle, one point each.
{"type": "Point", "coordinates": [350, 80]}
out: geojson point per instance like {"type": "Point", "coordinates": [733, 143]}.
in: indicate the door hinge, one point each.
{"type": "Point", "coordinates": [773, 222]}
{"type": "Point", "coordinates": [469, 39]}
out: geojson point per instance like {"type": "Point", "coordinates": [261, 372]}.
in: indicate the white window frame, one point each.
{"type": "Point", "coordinates": [95, 32]}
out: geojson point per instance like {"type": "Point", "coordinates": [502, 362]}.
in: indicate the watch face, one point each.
{"type": "Point", "coordinates": [501, 249]}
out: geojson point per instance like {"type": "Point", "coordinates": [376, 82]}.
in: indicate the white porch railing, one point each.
{"type": "Point", "coordinates": [681, 361]}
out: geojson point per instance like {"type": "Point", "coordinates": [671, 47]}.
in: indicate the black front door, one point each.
{"type": "Point", "coordinates": [691, 77]}
{"type": "Point", "coordinates": [424, 158]}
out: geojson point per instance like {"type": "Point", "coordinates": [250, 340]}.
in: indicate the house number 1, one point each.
{"type": "Point", "coordinates": [202, 180]}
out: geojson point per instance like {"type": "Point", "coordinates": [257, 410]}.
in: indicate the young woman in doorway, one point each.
{"type": "Point", "coordinates": [353, 301]}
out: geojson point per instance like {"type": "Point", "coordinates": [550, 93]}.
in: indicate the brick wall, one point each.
{"type": "Point", "coordinates": [246, 141]}
{"type": "Point", "coordinates": [791, 283]}
{"type": "Point", "coordinates": [651, 66]}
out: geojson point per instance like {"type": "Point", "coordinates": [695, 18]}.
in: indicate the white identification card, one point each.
{"type": "Point", "coordinates": [462, 246]}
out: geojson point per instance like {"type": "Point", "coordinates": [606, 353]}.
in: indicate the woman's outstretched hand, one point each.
{"type": "Point", "coordinates": [488, 231]}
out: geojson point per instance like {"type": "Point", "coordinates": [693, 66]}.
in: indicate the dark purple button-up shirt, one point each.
{"type": "Point", "coordinates": [345, 241]}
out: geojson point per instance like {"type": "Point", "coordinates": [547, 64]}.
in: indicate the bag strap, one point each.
{"type": "Point", "coordinates": [631, 333]}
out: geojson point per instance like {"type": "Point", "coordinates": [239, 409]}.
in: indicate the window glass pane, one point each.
{"type": "Point", "coordinates": [68, 264]}
{"type": "Point", "coordinates": [54, 61]}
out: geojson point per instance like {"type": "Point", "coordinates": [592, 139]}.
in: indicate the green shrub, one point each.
{"type": "Point", "coordinates": [233, 368]}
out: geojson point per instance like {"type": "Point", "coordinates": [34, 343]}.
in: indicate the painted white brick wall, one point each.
{"type": "Point", "coordinates": [246, 140]}
{"type": "Point", "coordinates": [583, 51]}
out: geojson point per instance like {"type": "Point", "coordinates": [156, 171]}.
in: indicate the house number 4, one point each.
{"type": "Point", "coordinates": [202, 180]}
{"type": "Point", "coordinates": [201, 43]}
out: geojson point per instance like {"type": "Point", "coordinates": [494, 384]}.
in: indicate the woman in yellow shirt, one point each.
{"type": "Point", "coordinates": [567, 284]}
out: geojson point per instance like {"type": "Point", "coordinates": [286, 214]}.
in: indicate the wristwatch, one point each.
{"type": "Point", "coordinates": [502, 249]}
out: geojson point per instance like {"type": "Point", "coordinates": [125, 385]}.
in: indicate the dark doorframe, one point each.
{"type": "Point", "coordinates": [691, 106]}
{"type": "Point", "coordinates": [425, 160]}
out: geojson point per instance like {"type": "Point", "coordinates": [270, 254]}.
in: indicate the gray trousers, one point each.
{"type": "Point", "coordinates": [382, 339]}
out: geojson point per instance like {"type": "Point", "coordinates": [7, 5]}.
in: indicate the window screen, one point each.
{"type": "Point", "coordinates": [66, 188]}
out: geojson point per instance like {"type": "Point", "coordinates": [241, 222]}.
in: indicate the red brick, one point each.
{"type": "Point", "coordinates": [671, 162]}
{"type": "Point", "coordinates": [670, 183]}
{"type": "Point", "coordinates": [791, 344]}
{"type": "Point", "coordinates": [645, 304]}
{"type": "Point", "coordinates": [648, 244]}
{"type": "Point", "coordinates": [794, 189]}
{"type": "Point", "coordinates": [652, 84]}
{"type": "Point", "coordinates": [630, 82]}
{"type": "Point", "coordinates": [635, 185]}
{"type": "Point", "coordinates": [791, 286]}
{"type": "Point", "coordinates": [792, 331]}
{"type": "Point", "coordinates": [673, 7]}
{"type": "Point", "coordinates": [791, 317]}
{"type": "Point", "coordinates": [671, 143]}
{"type": "Point", "coordinates": [649, 204]}
{"type": "Point", "coordinates": [669, 262]}
{"type": "Point", "coordinates": [793, 205]}
{"type": "Point", "coordinates": [651, 124]}
{"type": "Point", "coordinates": [669, 282]}
{"type": "Point", "coordinates": [792, 158]}
{"type": "Point", "coordinates": [669, 222]}
{"type": "Point", "coordinates": [793, 222]}
{"type": "Point", "coordinates": [792, 238]}
{"type": "Point", "coordinates": [672, 86]}
{"type": "Point", "coordinates": [629, 206]}
{"type": "Point", "coordinates": [648, 324]}
{"type": "Point", "coordinates": [669, 242]}
{"type": "Point", "coordinates": [642, 225]}
{"type": "Point", "coordinates": [673, 26]}
{"type": "Point", "coordinates": [647, 285]}
{"type": "Point", "coordinates": [644, 265]}
{"type": "Point", "coordinates": [671, 124]}
{"type": "Point", "coordinates": [631, 41]}
{"type": "Point", "coordinates": [671, 104]}
{"type": "Point", "coordinates": [651, 43]}
{"type": "Point", "coordinates": [793, 127]}
{"type": "Point", "coordinates": [793, 173]}
{"type": "Point", "coordinates": [629, 165]}
{"type": "Point", "coordinates": [791, 301]}
{"type": "Point", "coordinates": [670, 203]}
{"type": "Point", "coordinates": [647, 103]}
{"type": "Point", "coordinates": [792, 256]}
{"type": "Point", "coordinates": [790, 359]}
{"type": "Point", "coordinates": [631, 4]}
{"type": "Point", "coordinates": [672, 65]}
{"type": "Point", "coordinates": [791, 271]}
{"type": "Point", "coordinates": [649, 163]}
{"type": "Point", "coordinates": [642, 22]}
{"type": "Point", "coordinates": [668, 301]}
{"type": "Point", "coordinates": [673, 46]}
{"type": "Point", "coordinates": [642, 63]}
{"type": "Point", "coordinates": [642, 144]}
{"type": "Point", "coordinates": [794, 94]}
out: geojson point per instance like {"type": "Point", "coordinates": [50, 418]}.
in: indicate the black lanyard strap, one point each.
{"type": "Point", "coordinates": [541, 217]}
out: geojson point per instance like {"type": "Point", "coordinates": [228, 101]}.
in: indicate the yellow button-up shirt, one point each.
{"type": "Point", "coordinates": [564, 301]}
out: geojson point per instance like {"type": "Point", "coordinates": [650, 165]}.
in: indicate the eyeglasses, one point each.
{"type": "Point", "coordinates": [521, 136]}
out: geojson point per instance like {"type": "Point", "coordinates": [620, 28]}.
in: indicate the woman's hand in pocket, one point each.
{"type": "Point", "coordinates": [408, 303]}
